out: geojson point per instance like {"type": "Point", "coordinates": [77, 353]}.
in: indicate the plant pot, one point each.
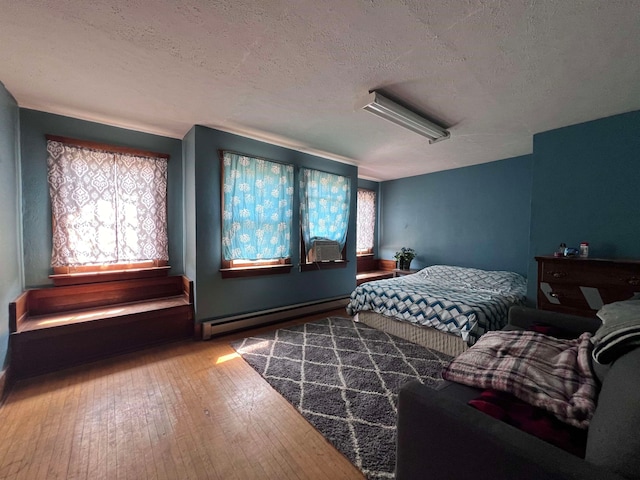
{"type": "Point", "coordinates": [404, 264]}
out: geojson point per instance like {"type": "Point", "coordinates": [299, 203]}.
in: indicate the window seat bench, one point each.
{"type": "Point", "coordinates": [62, 326]}
{"type": "Point", "coordinates": [368, 276]}
{"type": "Point", "coordinates": [370, 268]}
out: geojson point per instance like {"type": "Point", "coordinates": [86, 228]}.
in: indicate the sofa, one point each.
{"type": "Point", "coordinates": [440, 436]}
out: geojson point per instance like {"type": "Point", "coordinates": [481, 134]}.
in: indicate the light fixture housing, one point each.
{"type": "Point", "coordinates": [389, 110]}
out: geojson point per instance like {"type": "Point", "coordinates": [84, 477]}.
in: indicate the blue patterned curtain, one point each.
{"type": "Point", "coordinates": [324, 206]}
{"type": "Point", "coordinates": [257, 208]}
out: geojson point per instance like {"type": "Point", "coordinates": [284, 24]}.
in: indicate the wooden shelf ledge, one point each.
{"type": "Point", "coordinates": [363, 277]}
{"type": "Point", "coordinates": [89, 315]}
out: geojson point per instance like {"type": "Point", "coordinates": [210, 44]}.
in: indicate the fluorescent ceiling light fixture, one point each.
{"type": "Point", "coordinates": [389, 110]}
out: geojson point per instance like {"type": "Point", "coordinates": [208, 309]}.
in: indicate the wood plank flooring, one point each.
{"type": "Point", "coordinates": [187, 410]}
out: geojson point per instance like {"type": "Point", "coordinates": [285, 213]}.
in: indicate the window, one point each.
{"type": "Point", "coordinates": [257, 212]}
{"type": "Point", "coordinates": [366, 221]}
{"type": "Point", "coordinates": [324, 209]}
{"type": "Point", "coordinates": [108, 204]}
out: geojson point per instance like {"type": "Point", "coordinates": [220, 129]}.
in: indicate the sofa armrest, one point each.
{"type": "Point", "coordinates": [440, 438]}
{"type": "Point", "coordinates": [524, 317]}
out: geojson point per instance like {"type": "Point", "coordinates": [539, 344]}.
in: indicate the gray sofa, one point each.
{"type": "Point", "coordinates": [441, 437]}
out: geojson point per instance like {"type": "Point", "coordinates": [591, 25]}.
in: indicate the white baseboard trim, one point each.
{"type": "Point", "coordinates": [241, 322]}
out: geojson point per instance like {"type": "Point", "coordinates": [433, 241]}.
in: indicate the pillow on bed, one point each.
{"type": "Point", "coordinates": [472, 278]}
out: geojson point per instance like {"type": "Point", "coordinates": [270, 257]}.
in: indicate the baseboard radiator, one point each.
{"type": "Point", "coordinates": [264, 317]}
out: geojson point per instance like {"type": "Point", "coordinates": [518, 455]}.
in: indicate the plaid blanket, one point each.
{"type": "Point", "coordinates": [546, 372]}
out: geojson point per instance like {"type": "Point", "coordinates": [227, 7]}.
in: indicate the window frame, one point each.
{"type": "Point", "coordinates": [305, 264]}
{"type": "Point", "coordinates": [249, 268]}
{"type": "Point", "coordinates": [89, 273]}
{"type": "Point", "coordinates": [370, 251]}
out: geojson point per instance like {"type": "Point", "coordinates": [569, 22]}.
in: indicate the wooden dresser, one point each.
{"type": "Point", "coordinates": [581, 286]}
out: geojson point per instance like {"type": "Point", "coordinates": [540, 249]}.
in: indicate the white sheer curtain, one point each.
{"type": "Point", "coordinates": [366, 221]}
{"type": "Point", "coordinates": [106, 207]}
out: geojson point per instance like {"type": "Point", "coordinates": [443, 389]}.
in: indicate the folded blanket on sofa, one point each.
{"type": "Point", "coordinates": [547, 372]}
{"type": "Point", "coordinates": [620, 330]}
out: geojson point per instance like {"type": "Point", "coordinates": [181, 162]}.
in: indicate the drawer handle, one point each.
{"type": "Point", "coordinates": [634, 281]}
{"type": "Point", "coordinates": [559, 274]}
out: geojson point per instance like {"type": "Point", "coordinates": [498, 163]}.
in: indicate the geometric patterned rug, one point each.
{"type": "Point", "coordinates": [344, 378]}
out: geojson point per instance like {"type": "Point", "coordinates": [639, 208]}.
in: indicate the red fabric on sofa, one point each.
{"type": "Point", "coordinates": [533, 420]}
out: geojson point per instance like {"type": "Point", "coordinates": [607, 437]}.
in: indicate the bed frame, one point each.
{"type": "Point", "coordinates": [429, 337]}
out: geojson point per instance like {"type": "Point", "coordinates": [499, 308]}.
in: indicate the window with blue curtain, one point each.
{"type": "Point", "coordinates": [257, 208]}
{"type": "Point", "coordinates": [324, 206]}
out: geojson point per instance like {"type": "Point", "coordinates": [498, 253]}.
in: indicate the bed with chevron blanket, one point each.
{"type": "Point", "coordinates": [457, 304]}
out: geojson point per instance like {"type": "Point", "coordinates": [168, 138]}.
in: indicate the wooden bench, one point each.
{"type": "Point", "coordinates": [373, 275]}
{"type": "Point", "coordinates": [62, 326]}
{"type": "Point", "coordinates": [370, 268]}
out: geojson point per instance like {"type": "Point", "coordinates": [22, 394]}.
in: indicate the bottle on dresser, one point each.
{"type": "Point", "coordinates": [584, 249]}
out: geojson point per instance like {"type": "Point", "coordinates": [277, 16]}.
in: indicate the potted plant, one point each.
{"type": "Point", "coordinates": [404, 257]}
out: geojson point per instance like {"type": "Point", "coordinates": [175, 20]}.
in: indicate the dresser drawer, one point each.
{"type": "Point", "coordinates": [579, 272]}
{"type": "Point", "coordinates": [558, 294]}
{"type": "Point", "coordinates": [583, 286]}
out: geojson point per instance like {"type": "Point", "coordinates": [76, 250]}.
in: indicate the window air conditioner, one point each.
{"type": "Point", "coordinates": [325, 251]}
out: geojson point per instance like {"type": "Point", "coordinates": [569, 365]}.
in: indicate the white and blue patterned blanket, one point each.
{"type": "Point", "coordinates": [463, 301]}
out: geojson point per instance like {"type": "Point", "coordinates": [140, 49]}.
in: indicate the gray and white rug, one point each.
{"type": "Point", "coordinates": [344, 378]}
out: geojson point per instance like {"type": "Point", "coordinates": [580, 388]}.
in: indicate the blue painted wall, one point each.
{"type": "Point", "coordinates": [217, 297]}
{"type": "Point", "coordinates": [581, 183]}
{"type": "Point", "coordinates": [10, 257]}
{"type": "Point", "coordinates": [586, 187]}
{"type": "Point", "coordinates": [476, 216]}
{"type": "Point", "coordinates": [36, 205]}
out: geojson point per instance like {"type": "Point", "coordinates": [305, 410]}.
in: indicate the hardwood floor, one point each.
{"type": "Point", "coordinates": [184, 410]}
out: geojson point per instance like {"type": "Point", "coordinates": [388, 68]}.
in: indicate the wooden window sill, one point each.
{"type": "Point", "coordinates": [310, 267]}
{"type": "Point", "coordinates": [374, 275]}
{"type": "Point", "coordinates": [255, 270]}
{"type": "Point", "coordinates": [80, 278]}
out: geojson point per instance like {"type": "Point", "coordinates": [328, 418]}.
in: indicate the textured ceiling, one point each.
{"type": "Point", "coordinates": [292, 71]}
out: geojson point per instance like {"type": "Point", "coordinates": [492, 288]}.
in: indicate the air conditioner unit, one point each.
{"type": "Point", "coordinates": [325, 251]}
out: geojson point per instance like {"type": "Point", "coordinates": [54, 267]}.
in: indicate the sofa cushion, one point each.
{"type": "Point", "coordinates": [620, 332]}
{"type": "Point", "coordinates": [614, 433]}
{"type": "Point", "coordinates": [524, 317]}
{"type": "Point", "coordinates": [600, 371]}
{"type": "Point", "coordinates": [457, 391]}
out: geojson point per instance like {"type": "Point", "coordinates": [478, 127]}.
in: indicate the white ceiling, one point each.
{"type": "Point", "coordinates": [291, 71]}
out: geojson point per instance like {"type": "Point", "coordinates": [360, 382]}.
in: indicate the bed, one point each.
{"type": "Point", "coordinates": [443, 307]}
